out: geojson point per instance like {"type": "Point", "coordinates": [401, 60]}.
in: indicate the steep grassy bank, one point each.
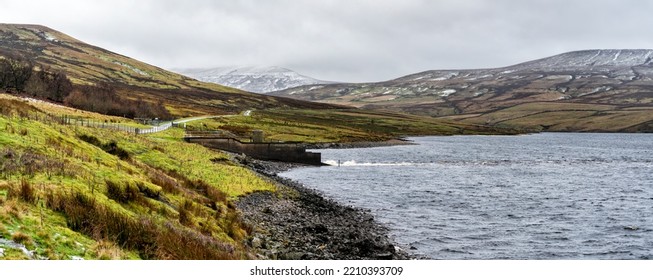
{"type": "Point", "coordinates": [70, 191]}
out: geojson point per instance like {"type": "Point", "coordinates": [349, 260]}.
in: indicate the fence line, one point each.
{"type": "Point", "coordinates": [78, 121]}
{"type": "Point", "coordinates": [67, 120]}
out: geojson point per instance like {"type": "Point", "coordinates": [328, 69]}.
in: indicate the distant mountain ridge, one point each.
{"type": "Point", "coordinates": [591, 59]}
{"type": "Point", "coordinates": [252, 79]}
{"type": "Point", "coordinates": [619, 79]}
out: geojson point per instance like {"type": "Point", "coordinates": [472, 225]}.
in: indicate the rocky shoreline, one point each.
{"type": "Point", "coordinates": [298, 223]}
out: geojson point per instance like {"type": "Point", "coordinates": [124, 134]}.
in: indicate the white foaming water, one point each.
{"type": "Point", "coordinates": [543, 196]}
{"type": "Point", "coordinates": [354, 163]}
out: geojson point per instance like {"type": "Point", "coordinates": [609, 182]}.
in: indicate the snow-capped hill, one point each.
{"type": "Point", "coordinates": [253, 79]}
{"type": "Point", "coordinates": [591, 59]}
{"type": "Point", "coordinates": [615, 77]}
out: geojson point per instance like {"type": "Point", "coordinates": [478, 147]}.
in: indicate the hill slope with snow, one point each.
{"type": "Point", "coordinates": [252, 79]}
{"type": "Point", "coordinates": [619, 79]}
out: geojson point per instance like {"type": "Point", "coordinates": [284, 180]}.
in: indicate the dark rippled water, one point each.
{"type": "Point", "coordinates": [542, 196]}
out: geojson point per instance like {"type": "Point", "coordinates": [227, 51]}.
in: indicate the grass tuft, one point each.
{"type": "Point", "coordinates": [21, 238]}
{"type": "Point", "coordinates": [122, 193]}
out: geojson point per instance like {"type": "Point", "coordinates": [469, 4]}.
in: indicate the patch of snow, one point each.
{"type": "Point", "coordinates": [599, 89]}
{"type": "Point", "coordinates": [315, 87]}
{"type": "Point", "coordinates": [560, 77]}
{"type": "Point", "coordinates": [447, 92]}
{"type": "Point", "coordinates": [507, 71]}
{"type": "Point", "coordinates": [343, 90]}
{"type": "Point", "coordinates": [480, 77]}
{"type": "Point", "coordinates": [50, 37]}
{"type": "Point", "coordinates": [134, 69]}
{"type": "Point", "coordinates": [253, 79]}
{"type": "Point", "coordinates": [629, 78]}
{"type": "Point", "coordinates": [446, 76]}
{"type": "Point", "coordinates": [616, 56]}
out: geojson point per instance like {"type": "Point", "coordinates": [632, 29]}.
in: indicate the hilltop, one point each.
{"type": "Point", "coordinates": [85, 64]}
{"type": "Point", "coordinates": [592, 90]}
{"type": "Point", "coordinates": [252, 79]}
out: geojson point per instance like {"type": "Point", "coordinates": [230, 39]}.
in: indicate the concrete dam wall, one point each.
{"type": "Point", "coordinates": [286, 152]}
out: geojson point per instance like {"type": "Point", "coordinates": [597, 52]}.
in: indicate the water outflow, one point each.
{"type": "Point", "coordinates": [542, 196]}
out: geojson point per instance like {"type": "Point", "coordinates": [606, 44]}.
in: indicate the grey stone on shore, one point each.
{"type": "Point", "coordinates": [298, 223]}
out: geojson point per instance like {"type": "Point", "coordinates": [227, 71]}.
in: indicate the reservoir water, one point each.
{"type": "Point", "coordinates": [540, 196]}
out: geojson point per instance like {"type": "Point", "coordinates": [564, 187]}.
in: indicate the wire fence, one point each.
{"type": "Point", "coordinates": [84, 122]}
{"type": "Point", "coordinates": [68, 120]}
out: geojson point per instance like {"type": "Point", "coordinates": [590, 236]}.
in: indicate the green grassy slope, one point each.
{"type": "Point", "coordinates": [69, 191]}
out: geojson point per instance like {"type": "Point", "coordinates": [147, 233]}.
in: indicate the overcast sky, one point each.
{"type": "Point", "coordinates": [343, 40]}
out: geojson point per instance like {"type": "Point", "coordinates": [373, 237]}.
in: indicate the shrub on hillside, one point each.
{"type": "Point", "coordinates": [111, 147]}
{"type": "Point", "coordinates": [102, 98]}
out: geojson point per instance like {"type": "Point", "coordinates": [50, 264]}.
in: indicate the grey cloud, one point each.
{"type": "Point", "coordinates": [344, 40]}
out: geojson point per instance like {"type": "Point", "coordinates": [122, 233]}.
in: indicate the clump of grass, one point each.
{"type": "Point", "coordinates": [159, 178]}
{"type": "Point", "coordinates": [148, 191]}
{"type": "Point", "coordinates": [111, 147]}
{"type": "Point", "coordinates": [150, 239]}
{"type": "Point", "coordinates": [107, 250]}
{"type": "Point", "coordinates": [216, 195]}
{"type": "Point", "coordinates": [191, 246]}
{"type": "Point", "coordinates": [185, 217]}
{"type": "Point", "coordinates": [12, 208]}
{"type": "Point", "coordinates": [27, 191]}
{"type": "Point", "coordinates": [3, 231]}
{"type": "Point", "coordinates": [122, 193]}
{"type": "Point", "coordinates": [21, 238]}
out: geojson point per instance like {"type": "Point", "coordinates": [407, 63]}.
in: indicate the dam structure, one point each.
{"type": "Point", "coordinates": [255, 147]}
